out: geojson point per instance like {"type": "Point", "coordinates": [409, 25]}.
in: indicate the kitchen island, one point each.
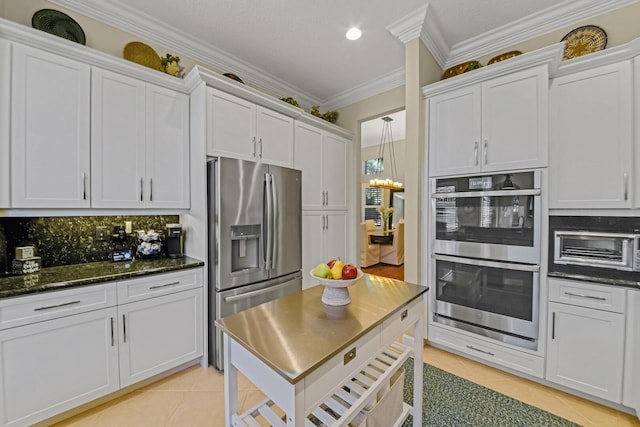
{"type": "Point", "coordinates": [320, 362]}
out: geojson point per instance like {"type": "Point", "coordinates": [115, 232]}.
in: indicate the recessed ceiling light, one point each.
{"type": "Point", "coordinates": [354, 33]}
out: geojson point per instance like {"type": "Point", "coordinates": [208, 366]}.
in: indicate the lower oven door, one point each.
{"type": "Point", "coordinates": [495, 299]}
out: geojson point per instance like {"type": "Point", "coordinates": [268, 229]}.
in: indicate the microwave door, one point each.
{"type": "Point", "coordinates": [240, 222]}
{"type": "Point", "coordinates": [286, 195]}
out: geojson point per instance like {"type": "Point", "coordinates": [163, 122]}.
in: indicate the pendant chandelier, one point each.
{"type": "Point", "coordinates": [386, 143]}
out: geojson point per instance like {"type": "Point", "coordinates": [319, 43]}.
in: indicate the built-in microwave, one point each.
{"type": "Point", "coordinates": [494, 217]}
{"type": "Point", "coordinates": [600, 248]}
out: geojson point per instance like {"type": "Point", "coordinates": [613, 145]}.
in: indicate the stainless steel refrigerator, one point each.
{"type": "Point", "coordinates": [255, 238]}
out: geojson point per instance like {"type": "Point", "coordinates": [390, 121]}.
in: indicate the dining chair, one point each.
{"type": "Point", "coordinates": [369, 252]}
{"type": "Point", "coordinates": [394, 253]}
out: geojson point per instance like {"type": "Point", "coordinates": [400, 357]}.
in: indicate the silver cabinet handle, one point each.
{"type": "Point", "coordinates": [141, 187]}
{"type": "Point", "coordinates": [124, 328]}
{"type": "Point", "coordinates": [164, 286]}
{"type": "Point", "coordinates": [571, 294]}
{"type": "Point", "coordinates": [234, 298]}
{"type": "Point", "coordinates": [470, 347]}
{"type": "Point", "coordinates": [253, 141]}
{"type": "Point", "coordinates": [326, 203]}
{"type": "Point", "coordinates": [113, 342]}
{"type": "Point", "coordinates": [625, 176]}
{"type": "Point", "coordinates": [260, 147]}
{"type": "Point", "coordinates": [151, 189]}
{"type": "Point", "coordinates": [553, 325]}
{"type": "Point", "coordinates": [485, 149]}
{"type": "Point", "coordinates": [84, 186]}
{"type": "Point", "coordinates": [56, 306]}
{"type": "Point", "coordinates": [475, 151]}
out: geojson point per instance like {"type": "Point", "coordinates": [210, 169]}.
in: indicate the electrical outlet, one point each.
{"type": "Point", "coordinates": [101, 232]}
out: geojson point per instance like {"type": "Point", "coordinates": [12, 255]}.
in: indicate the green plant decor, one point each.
{"type": "Point", "coordinates": [291, 101]}
{"type": "Point", "coordinates": [171, 65]}
{"type": "Point", "coordinates": [330, 116]}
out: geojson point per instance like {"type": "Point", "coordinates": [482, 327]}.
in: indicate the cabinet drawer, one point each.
{"type": "Point", "coordinates": [50, 305]}
{"type": "Point", "coordinates": [401, 320]}
{"type": "Point", "coordinates": [333, 372]}
{"type": "Point", "coordinates": [161, 284]}
{"type": "Point", "coordinates": [479, 349]}
{"type": "Point", "coordinates": [601, 297]}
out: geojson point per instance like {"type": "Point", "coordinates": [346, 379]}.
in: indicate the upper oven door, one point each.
{"type": "Point", "coordinates": [492, 217]}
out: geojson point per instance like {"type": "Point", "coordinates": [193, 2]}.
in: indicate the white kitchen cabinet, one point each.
{"type": "Point", "coordinates": [63, 354]}
{"type": "Point", "coordinates": [496, 125]}
{"type": "Point", "coordinates": [5, 116]}
{"type": "Point", "coordinates": [240, 129]}
{"type": "Point", "coordinates": [323, 158]}
{"type": "Point", "coordinates": [323, 239]}
{"type": "Point", "coordinates": [591, 149]}
{"type": "Point", "coordinates": [585, 346]}
{"type": "Point", "coordinates": [140, 144]}
{"type": "Point", "coordinates": [631, 385]}
{"type": "Point", "coordinates": [50, 136]}
{"type": "Point", "coordinates": [163, 328]}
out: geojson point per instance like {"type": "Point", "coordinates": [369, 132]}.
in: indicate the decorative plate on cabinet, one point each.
{"type": "Point", "coordinates": [233, 77]}
{"type": "Point", "coordinates": [57, 23]}
{"type": "Point", "coordinates": [460, 68]}
{"type": "Point", "coordinates": [583, 40]}
{"type": "Point", "coordinates": [504, 56]}
{"type": "Point", "coordinates": [142, 54]}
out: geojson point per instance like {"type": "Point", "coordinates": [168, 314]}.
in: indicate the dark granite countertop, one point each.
{"type": "Point", "coordinates": [68, 276]}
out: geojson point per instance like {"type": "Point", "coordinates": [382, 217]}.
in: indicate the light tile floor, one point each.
{"type": "Point", "coordinates": [194, 397]}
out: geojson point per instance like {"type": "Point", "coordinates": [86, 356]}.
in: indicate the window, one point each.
{"type": "Point", "coordinates": [372, 201]}
{"type": "Point", "coordinates": [373, 166]}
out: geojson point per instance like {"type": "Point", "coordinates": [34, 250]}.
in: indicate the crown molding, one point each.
{"type": "Point", "coordinates": [534, 25]}
{"type": "Point", "coordinates": [625, 52]}
{"type": "Point", "coordinates": [366, 90]}
{"type": "Point", "coordinates": [123, 17]}
{"type": "Point", "coordinates": [423, 24]}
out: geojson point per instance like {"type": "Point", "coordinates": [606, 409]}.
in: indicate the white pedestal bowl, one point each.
{"type": "Point", "coordinates": [335, 291]}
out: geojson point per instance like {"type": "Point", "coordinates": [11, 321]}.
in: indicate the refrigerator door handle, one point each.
{"type": "Point", "coordinates": [269, 220]}
{"type": "Point", "coordinates": [274, 223]}
{"type": "Point", "coordinates": [234, 298]}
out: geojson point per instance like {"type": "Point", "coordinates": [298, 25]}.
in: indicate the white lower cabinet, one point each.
{"type": "Point", "coordinates": [159, 333]}
{"type": "Point", "coordinates": [585, 346]}
{"type": "Point", "coordinates": [631, 386]}
{"type": "Point", "coordinates": [62, 349]}
{"type": "Point", "coordinates": [323, 239]}
{"type": "Point", "coordinates": [53, 366]}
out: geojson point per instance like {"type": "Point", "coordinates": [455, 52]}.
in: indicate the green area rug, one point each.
{"type": "Point", "coordinates": [453, 401]}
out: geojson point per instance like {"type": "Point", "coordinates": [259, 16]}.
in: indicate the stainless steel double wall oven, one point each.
{"type": "Point", "coordinates": [486, 254]}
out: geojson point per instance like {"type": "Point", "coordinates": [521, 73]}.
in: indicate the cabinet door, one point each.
{"type": "Point", "coordinates": [590, 147]}
{"type": "Point", "coordinates": [159, 334]}
{"type": "Point", "coordinates": [231, 126]}
{"type": "Point", "coordinates": [117, 141]}
{"type": "Point", "coordinates": [335, 237]}
{"type": "Point", "coordinates": [308, 158]}
{"type": "Point", "coordinates": [454, 132]}
{"type": "Point", "coordinates": [313, 224]}
{"type": "Point", "coordinates": [585, 350]}
{"type": "Point", "coordinates": [335, 161]}
{"type": "Point", "coordinates": [50, 105]}
{"type": "Point", "coordinates": [631, 392]}
{"type": "Point", "coordinates": [275, 137]}
{"type": "Point", "coordinates": [49, 367]}
{"type": "Point", "coordinates": [5, 115]}
{"type": "Point", "coordinates": [167, 148]}
{"type": "Point", "coordinates": [514, 121]}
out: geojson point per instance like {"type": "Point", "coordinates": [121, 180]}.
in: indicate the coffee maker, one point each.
{"type": "Point", "coordinates": [173, 240]}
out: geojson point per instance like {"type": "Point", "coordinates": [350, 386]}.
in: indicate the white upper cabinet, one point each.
{"type": "Point", "coordinates": [5, 115]}
{"type": "Point", "coordinates": [591, 147]}
{"type": "Point", "coordinates": [50, 126]}
{"type": "Point", "coordinates": [243, 130]}
{"type": "Point", "coordinates": [140, 144]}
{"type": "Point", "coordinates": [496, 125]}
{"type": "Point", "coordinates": [323, 158]}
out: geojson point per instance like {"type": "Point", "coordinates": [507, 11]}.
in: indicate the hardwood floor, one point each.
{"type": "Point", "coordinates": [386, 270]}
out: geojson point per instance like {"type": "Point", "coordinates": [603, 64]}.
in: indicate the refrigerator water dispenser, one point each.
{"type": "Point", "coordinates": [245, 247]}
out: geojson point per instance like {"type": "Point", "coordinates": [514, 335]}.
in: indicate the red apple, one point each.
{"type": "Point", "coordinates": [349, 271]}
{"type": "Point", "coordinates": [333, 261]}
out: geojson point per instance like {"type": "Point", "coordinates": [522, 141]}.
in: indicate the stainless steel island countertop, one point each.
{"type": "Point", "coordinates": [296, 334]}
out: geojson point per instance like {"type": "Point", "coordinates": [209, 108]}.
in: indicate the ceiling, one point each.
{"type": "Point", "coordinates": [298, 47]}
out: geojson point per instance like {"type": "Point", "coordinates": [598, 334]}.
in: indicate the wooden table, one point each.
{"type": "Point", "coordinates": [303, 354]}
{"type": "Point", "coordinates": [381, 237]}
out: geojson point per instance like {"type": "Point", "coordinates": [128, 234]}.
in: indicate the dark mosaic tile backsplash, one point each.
{"type": "Point", "coordinates": [69, 240]}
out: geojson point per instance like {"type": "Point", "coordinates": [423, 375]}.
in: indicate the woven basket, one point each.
{"type": "Point", "coordinates": [142, 54]}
